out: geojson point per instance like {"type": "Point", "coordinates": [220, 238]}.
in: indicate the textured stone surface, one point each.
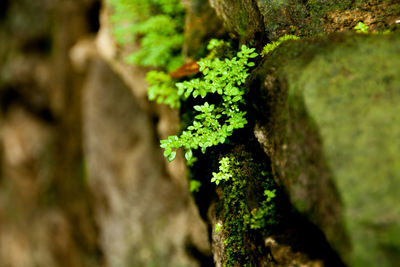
{"type": "Point", "coordinates": [256, 21]}
{"type": "Point", "coordinates": [332, 131]}
{"type": "Point", "coordinates": [242, 19]}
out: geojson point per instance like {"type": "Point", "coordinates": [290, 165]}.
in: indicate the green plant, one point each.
{"type": "Point", "coordinates": [215, 122]}
{"type": "Point", "coordinates": [224, 173]}
{"type": "Point", "coordinates": [235, 212]}
{"type": "Point", "coordinates": [162, 89]}
{"type": "Point", "coordinates": [272, 46]}
{"type": "Point", "coordinates": [157, 24]}
{"type": "Point", "coordinates": [361, 28]}
{"type": "Point", "coordinates": [218, 227]}
{"type": "Point", "coordinates": [194, 186]}
{"type": "Point", "coordinates": [256, 219]}
{"type": "Point", "coordinates": [260, 217]}
{"type": "Point", "coordinates": [239, 221]}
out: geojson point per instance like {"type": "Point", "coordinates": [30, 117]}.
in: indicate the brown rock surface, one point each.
{"type": "Point", "coordinates": [145, 217]}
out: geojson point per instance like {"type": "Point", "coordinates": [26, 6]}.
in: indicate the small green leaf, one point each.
{"type": "Point", "coordinates": [218, 227]}
{"type": "Point", "coordinates": [189, 155]}
{"type": "Point", "coordinates": [361, 28]}
{"type": "Point", "coordinates": [236, 98]}
{"type": "Point", "coordinates": [167, 152]}
{"type": "Point", "coordinates": [194, 186]}
{"type": "Point", "coordinates": [172, 156]}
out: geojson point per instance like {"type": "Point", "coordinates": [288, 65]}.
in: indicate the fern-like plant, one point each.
{"type": "Point", "coordinates": [214, 123]}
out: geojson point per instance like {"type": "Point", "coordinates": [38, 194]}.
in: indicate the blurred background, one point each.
{"type": "Point", "coordinates": [82, 180]}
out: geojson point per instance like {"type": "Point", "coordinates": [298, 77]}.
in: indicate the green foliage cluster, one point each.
{"type": "Point", "coordinates": [260, 218]}
{"type": "Point", "coordinates": [361, 28]}
{"type": "Point", "coordinates": [194, 186]}
{"type": "Point", "coordinates": [214, 122]}
{"type": "Point", "coordinates": [238, 219]}
{"type": "Point", "coordinates": [224, 173]}
{"type": "Point", "coordinates": [157, 24]}
{"type": "Point", "coordinates": [218, 227]}
{"type": "Point", "coordinates": [364, 29]}
{"type": "Point", "coordinates": [272, 46]}
{"type": "Point", "coordinates": [162, 89]}
{"type": "Point", "coordinates": [234, 223]}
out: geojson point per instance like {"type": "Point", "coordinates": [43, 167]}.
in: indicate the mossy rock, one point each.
{"type": "Point", "coordinates": [242, 19]}
{"type": "Point", "coordinates": [328, 116]}
{"type": "Point", "coordinates": [257, 21]}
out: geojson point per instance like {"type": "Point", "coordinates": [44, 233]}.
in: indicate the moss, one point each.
{"type": "Point", "coordinates": [246, 212]}
{"type": "Point", "coordinates": [235, 210]}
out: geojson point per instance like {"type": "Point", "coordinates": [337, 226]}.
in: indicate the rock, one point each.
{"type": "Point", "coordinates": [115, 56]}
{"type": "Point", "coordinates": [281, 238]}
{"type": "Point", "coordinates": [256, 21]}
{"type": "Point", "coordinates": [242, 19]}
{"type": "Point", "coordinates": [201, 24]}
{"type": "Point", "coordinates": [145, 217]}
{"type": "Point", "coordinates": [327, 115]}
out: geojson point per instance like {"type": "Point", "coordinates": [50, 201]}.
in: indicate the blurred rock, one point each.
{"type": "Point", "coordinates": [45, 208]}
{"type": "Point", "coordinates": [242, 19]}
{"type": "Point", "coordinates": [201, 24]}
{"type": "Point", "coordinates": [145, 217]}
{"type": "Point", "coordinates": [332, 132]}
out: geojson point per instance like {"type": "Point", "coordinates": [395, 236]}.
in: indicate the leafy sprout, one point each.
{"type": "Point", "coordinates": [361, 28]}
